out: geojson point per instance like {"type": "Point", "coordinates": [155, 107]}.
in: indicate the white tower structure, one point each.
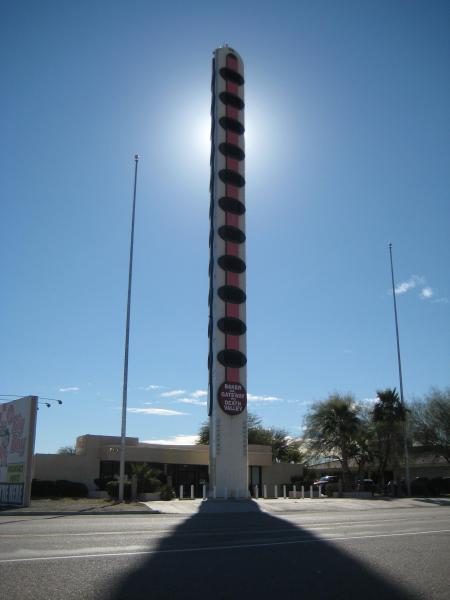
{"type": "Point", "coordinates": [227, 395]}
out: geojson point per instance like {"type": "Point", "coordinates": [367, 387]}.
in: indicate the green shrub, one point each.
{"type": "Point", "coordinates": [43, 489]}
{"type": "Point", "coordinates": [112, 487]}
{"type": "Point", "coordinates": [74, 489]}
{"type": "Point", "coordinates": [148, 486]}
{"type": "Point", "coordinates": [100, 483]}
{"type": "Point", "coordinates": [58, 489]}
{"type": "Point", "coordinates": [148, 479]}
{"type": "Point", "coordinates": [167, 492]}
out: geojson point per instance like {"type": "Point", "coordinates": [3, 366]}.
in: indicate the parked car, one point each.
{"type": "Point", "coordinates": [327, 483]}
{"type": "Point", "coordinates": [326, 479]}
{"type": "Point", "coordinates": [423, 486]}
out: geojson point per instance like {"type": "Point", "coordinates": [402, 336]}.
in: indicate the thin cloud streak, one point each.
{"type": "Point", "coordinates": [410, 284]}
{"type": "Point", "coordinates": [193, 401]}
{"type": "Point", "coordinates": [162, 412]}
{"type": "Point", "coordinates": [442, 300]}
{"type": "Point", "coordinates": [69, 389]}
{"type": "Point", "coordinates": [303, 402]}
{"type": "Point", "coordinates": [176, 440]}
{"type": "Point", "coordinates": [199, 394]}
{"type": "Point", "coordinates": [172, 393]}
{"type": "Point", "coordinates": [256, 398]}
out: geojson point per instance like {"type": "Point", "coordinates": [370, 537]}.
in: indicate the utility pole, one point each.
{"type": "Point", "coordinates": [127, 337]}
{"type": "Point", "coordinates": [402, 399]}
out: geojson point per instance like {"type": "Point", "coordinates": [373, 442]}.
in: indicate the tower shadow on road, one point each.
{"type": "Point", "coordinates": [249, 555]}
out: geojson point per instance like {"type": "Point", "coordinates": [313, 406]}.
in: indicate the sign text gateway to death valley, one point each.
{"type": "Point", "coordinates": [232, 398]}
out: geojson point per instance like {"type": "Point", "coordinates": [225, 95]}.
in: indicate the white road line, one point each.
{"type": "Point", "coordinates": [306, 526]}
{"type": "Point", "coordinates": [219, 548]}
{"type": "Point", "coordinates": [84, 534]}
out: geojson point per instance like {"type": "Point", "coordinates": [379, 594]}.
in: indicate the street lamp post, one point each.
{"type": "Point", "coordinates": [402, 399]}
{"type": "Point", "coordinates": [127, 337]}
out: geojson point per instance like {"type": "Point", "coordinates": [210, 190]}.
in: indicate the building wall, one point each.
{"type": "Point", "coordinates": [84, 466]}
{"type": "Point", "coordinates": [87, 444]}
{"type": "Point", "coordinates": [71, 467]}
{"type": "Point", "coordinates": [192, 455]}
{"type": "Point", "coordinates": [279, 474]}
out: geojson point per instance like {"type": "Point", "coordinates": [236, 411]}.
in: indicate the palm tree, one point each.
{"type": "Point", "coordinates": [332, 428]}
{"type": "Point", "coordinates": [362, 446]}
{"type": "Point", "coordinates": [147, 478]}
{"type": "Point", "coordinates": [388, 417]}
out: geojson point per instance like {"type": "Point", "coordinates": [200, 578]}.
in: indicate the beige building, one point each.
{"type": "Point", "coordinates": [96, 461]}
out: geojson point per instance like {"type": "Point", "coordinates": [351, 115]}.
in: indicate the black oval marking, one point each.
{"type": "Point", "coordinates": [232, 358]}
{"type": "Point", "coordinates": [231, 205]}
{"type": "Point", "coordinates": [231, 75]}
{"type": "Point", "coordinates": [231, 293]}
{"type": "Point", "coordinates": [230, 99]}
{"type": "Point", "coordinates": [232, 326]}
{"type": "Point", "coordinates": [231, 234]}
{"type": "Point", "coordinates": [231, 263]}
{"type": "Point", "coordinates": [232, 125]}
{"type": "Point", "coordinates": [232, 177]}
{"type": "Point", "coordinates": [232, 151]}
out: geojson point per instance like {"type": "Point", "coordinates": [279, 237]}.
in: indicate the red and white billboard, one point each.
{"type": "Point", "coordinates": [17, 435]}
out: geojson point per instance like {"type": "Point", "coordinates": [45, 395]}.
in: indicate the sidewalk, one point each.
{"type": "Point", "coordinates": [189, 507]}
{"type": "Point", "coordinates": [87, 506]}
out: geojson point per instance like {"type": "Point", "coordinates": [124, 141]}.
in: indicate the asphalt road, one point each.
{"type": "Point", "coordinates": [382, 554]}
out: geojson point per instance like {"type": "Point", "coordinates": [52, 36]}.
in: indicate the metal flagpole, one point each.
{"type": "Point", "coordinates": [402, 399]}
{"type": "Point", "coordinates": [127, 337]}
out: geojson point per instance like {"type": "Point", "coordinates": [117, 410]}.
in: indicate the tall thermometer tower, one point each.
{"type": "Point", "coordinates": [227, 395]}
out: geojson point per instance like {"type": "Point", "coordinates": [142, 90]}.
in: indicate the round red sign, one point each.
{"type": "Point", "coordinates": [232, 398]}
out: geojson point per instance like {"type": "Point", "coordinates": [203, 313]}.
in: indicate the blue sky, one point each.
{"type": "Point", "coordinates": [347, 107]}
